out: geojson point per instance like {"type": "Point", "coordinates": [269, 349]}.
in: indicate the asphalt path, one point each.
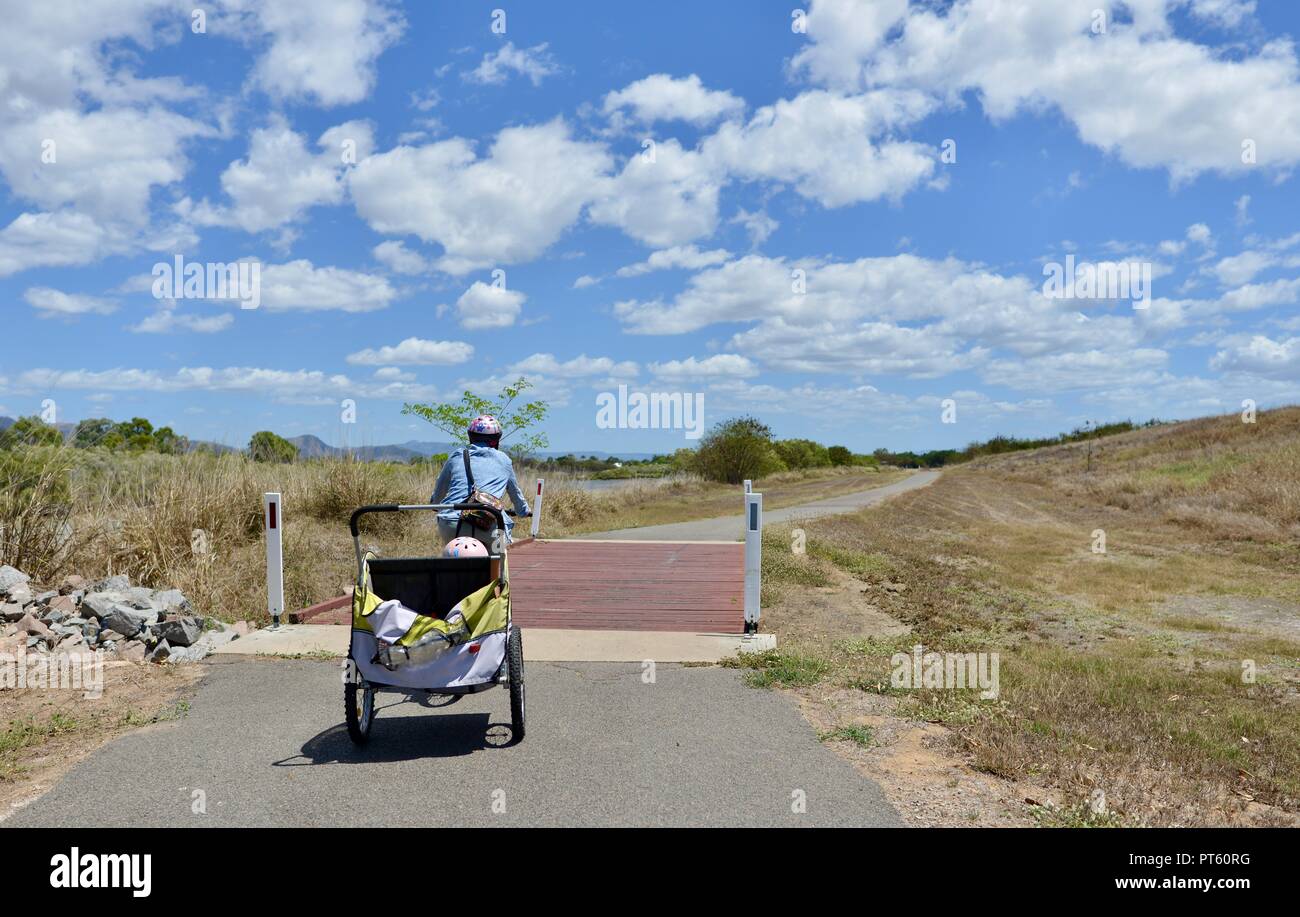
{"type": "Point", "coordinates": [263, 744]}
{"type": "Point", "coordinates": [732, 528]}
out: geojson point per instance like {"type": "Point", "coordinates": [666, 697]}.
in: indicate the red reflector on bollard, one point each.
{"type": "Point", "coordinates": [271, 507]}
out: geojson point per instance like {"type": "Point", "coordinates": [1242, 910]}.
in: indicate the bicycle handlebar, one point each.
{"type": "Point", "coordinates": [405, 507]}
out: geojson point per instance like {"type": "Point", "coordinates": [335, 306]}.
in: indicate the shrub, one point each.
{"type": "Point", "coordinates": [737, 449]}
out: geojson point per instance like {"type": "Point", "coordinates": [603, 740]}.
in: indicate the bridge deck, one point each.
{"type": "Point", "coordinates": [629, 585]}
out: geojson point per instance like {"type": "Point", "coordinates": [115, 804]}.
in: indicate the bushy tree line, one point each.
{"type": "Point", "coordinates": [134, 435]}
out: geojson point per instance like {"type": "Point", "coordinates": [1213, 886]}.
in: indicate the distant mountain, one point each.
{"type": "Point", "coordinates": [310, 447]}
{"type": "Point", "coordinates": [424, 448]}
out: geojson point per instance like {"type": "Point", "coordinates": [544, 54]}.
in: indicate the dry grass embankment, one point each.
{"type": "Point", "coordinates": [1122, 690]}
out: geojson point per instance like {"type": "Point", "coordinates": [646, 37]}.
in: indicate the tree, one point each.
{"type": "Point", "coordinates": [454, 419]}
{"type": "Point", "coordinates": [167, 442]}
{"type": "Point", "coordinates": [839, 455]}
{"type": "Point", "coordinates": [30, 431]}
{"type": "Point", "coordinates": [265, 446]}
{"type": "Point", "coordinates": [802, 453]}
{"type": "Point", "coordinates": [92, 432]}
{"type": "Point", "coordinates": [737, 449]}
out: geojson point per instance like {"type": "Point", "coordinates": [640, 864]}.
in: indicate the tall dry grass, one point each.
{"type": "Point", "coordinates": [192, 522]}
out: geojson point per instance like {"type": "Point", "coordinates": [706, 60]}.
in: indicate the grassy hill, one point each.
{"type": "Point", "coordinates": [1142, 590]}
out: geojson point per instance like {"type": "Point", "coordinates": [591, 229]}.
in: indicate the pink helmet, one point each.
{"type": "Point", "coordinates": [464, 547]}
{"type": "Point", "coordinates": [485, 425]}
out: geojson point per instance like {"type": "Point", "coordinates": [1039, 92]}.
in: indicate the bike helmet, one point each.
{"type": "Point", "coordinates": [464, 547]}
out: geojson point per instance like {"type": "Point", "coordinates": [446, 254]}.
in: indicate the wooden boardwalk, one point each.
{"type": "Point", "coordinates": [612, 585]}
{"type": "Point", "coordinates": [629, 585]}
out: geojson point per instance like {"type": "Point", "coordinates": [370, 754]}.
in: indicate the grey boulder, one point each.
{"type": "Point", "coordinates": [124, 620]}
{"type": "Point", "coordinates": [180, 632]}
{"type": "Point", "coordinates": [11, 577]}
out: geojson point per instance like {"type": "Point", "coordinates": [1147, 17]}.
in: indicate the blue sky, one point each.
{"type": "Point", "coordinates": [436, 205]}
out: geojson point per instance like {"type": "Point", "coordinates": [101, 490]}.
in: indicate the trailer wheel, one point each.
{"type": "Point", "coordinates": [515, 663]}
{"type": "Point", "coordinates": [359, 710]}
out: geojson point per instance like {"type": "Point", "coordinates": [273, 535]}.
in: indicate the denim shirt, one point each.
{"type": "Point", "coordinates": [493, 473]}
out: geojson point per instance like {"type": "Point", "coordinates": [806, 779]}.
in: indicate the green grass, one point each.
{"type": "Point", "coordinates": [775, 668]}
{"type": "Point", "coordinates": [22, 734]}
{"type": "Point", "coordinates": [858, 735]}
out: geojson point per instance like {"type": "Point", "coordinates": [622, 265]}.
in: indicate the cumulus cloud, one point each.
{"type": "Point", "coordinates": [505, 207]}
{"type": "Point", "coordinates": [722, 365]}
{"type": "Point", "coordinates": [687, 257]}
{"type": "Point", "coordinates": [281, 179]}
{"type": "Point", "coordinates": [484, 305]}
{"type": "Point", "coordinates": [301, 285]}
{"type": "Point", "coordinates": [663, 196]}
{"type": "Point", "coordinates": [660, 97]}
{"type": "Point", "coordinates": [398, 258]}
{"type": "Point", "coordinates": [326, 56]}
{"type": "Point", "coordinates": [168, 318]}
{"type": "Point", "coordinates": [416, 351]}
{"type": "Point", "coordinates": [496, 68]}
{"type": "Point", "coordinates": [51, 303]}
{"type": "Point", "coordinates": [1185, 107]}
{"type": "Point", "coordinates": [295, 386]}
{"type": "Point", "coordinates": [1260, 356]}
{"type": "Point", "coordinates": [828, 147]}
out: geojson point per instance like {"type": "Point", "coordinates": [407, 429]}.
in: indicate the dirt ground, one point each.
{"type": "Point", "coordinates": [45, 732]}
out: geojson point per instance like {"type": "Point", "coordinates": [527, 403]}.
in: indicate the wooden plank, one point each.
{"type": "Point", "coordinates": [629, 585]}
{"type": "Point", "coordinates": [626, 585]}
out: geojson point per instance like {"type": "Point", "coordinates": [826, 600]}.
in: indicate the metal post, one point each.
{"type": "Point", "coordinates": [537, 508]}
{"type": "Point", "coordinates": [273, 518]}
{"type": "Point", "coordinates": [753, 560]}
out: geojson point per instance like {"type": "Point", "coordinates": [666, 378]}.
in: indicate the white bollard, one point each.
{"type": "Point", "coordinates": [753, 560]}
{"type": "Point", "coordinates": [273, 518]}
{"type": "Point", "coordinates": [537, 508]}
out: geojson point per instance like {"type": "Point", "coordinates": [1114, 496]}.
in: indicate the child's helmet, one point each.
{"type": "Point", "coordinates": [464, 547]}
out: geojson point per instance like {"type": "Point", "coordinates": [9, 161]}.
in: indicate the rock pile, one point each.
{"type": "Point", "coordinates": [130, 622]}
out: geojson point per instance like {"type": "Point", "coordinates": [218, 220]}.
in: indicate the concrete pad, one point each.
{"type": "Point", "coordinates": [540, 644]}
{"type": "Point", "coordinates": [290, 640]}
{"type": "Point", "coordinates": [554, 645]}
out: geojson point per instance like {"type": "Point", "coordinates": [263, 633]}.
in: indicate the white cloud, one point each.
{"type": "Point", "coordinates": [51, 303]}
{"type": "Point", "coordinates": [168, 319]}
{"type": "Point", "coordinates": [301, 285]}
{"type": "Point", "coordinates": [415, 351]}
{"type": "Point", "coordinates": [583, 366]}
{"type": "Point", "coordinates": [506, 207]}
{"type": "Point", "coordinates": [281, 179]}
{"type": "Point", "coordinates": [663, 201]}
{"type": "Point", "coordinates": [1078, 370]}
{"type": "Point", "coordinates": [687, 257]}
{"type": "Point", "coordinates": [827, 147]}
{"type": "Point", "coordinates": [486, 306]}
{"type": "Point", "coordinates": [325, 55]}
{"type": "Point", "coordinates": [57, 239]}
{"type": "Point", "coordinates": [1184, 106]}
{"type": "Point", "coordinates": [1260, 356]}
{"type": "Point", "coordinates": [722, 365]}
{"type": "Point", "coordinates": [660, 97]}
{"type": "Point", "coordinates": [495, 68]}
{"type": "Point", "coordinates": [397, 257]}
{"type": "Point", "coordinates": [1238, 269]}
{"type": "Point", "coordinates": [296, 386]}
